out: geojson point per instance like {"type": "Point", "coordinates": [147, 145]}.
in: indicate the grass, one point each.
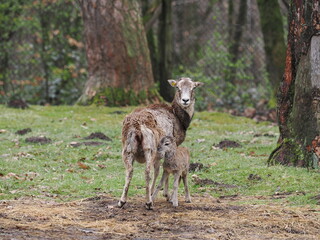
{"type": "Point", "coordinates": [62, 172]}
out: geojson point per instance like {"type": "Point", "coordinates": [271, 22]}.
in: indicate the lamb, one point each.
{"type": "Point", "coordinates": [176, 161]}
{"type": "Point", "coordinates": [145, 127]}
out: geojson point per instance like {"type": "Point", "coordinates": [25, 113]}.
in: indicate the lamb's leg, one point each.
{"type": "Point", "coordinates": [156, 173]}
{"type": "Point", "coordinates": [186, 188]}
{"type": "Point", "coordinates": [149, 165]}
{"type": "Point", "coordinates": [174, 198]}
{"type": "Point", "coordinates": [128, 162]}
{"type": "Point", "coordinates": [163, 179]}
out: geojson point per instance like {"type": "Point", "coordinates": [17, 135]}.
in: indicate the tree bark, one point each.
{"type": "Point", "coordinates": [299, 92]}
{"type": "Point", "coordinates": [116, 47]}
{"type": "Point", "coordinates": [274, 45]}
{"type": "Point", "coordinates": [234, 49]}
{"type": "Point", "coordinates": [165, 45]}
{"type": "Point", "coordinates": [151, 13]}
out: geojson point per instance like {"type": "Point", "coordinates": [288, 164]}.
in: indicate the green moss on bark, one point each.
{"type": "Point", "coordinates": [291, 153]}
{"type": "Point", "coordinates": [112, 97]}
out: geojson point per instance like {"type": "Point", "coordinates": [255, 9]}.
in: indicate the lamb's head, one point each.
{"type": "Point", "coordinates": [185, 91]}
{"type": "Point", "coordinates": [167, 146]}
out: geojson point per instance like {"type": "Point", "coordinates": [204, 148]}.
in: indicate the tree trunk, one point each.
{"type": "Point", "coordinates": [116, 45]}
{"type": "Point", "coordinates": [299, 92]}
{"type": "Point", "coordinates": [165, 45]}
{"type": "Point", "coordinates": [234, 49]}
{"type": "Point", "coordinates": [151, 13]}
{"type": "Point", "coordinates": [273, 34]}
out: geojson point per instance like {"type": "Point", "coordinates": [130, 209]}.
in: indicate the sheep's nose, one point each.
{"type": "Point", "coordinates": [185, 100]}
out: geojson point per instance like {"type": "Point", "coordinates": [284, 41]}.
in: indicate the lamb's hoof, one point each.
{"type": "Point", "coordinates": [121, 204]}
{"type": "Point", "coordinates": [175, 204]}
{"type": "Point", "coordinates": [149, 205]}
{"type": "Point", "coordinates": [188, 200]}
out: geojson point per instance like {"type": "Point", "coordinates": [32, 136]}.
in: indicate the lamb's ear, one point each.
{"type": "Point", "coordinates": [172, 82]}
{"type": "Point", "coordinates": [198, 84]}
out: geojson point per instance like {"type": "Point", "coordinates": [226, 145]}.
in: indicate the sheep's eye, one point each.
{"type": "Point", "coordinates": [166, 144]}
{"type": "Point", "coordinates": [178, 89]}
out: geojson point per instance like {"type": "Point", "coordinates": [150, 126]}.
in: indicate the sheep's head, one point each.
{"type": "Point", "coordinates": [185, 91]}
{"type": "Point", "coordinates": [166, 145]}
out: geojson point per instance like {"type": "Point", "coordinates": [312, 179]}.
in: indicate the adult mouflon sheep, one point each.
{"type": "Point", "coordinates": [145, 127]}
{"type": "Point", "coordinates": [177, 162]}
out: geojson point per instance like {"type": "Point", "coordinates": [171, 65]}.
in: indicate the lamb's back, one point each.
{"type": "Point", "coordinates": [180, 161]}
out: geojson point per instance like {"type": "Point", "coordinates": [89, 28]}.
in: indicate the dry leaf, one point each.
{"type": "Point", "coordinates": [83, 166]}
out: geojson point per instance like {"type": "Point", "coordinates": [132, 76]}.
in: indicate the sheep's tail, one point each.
{"type": "Point", "coordinates": [133, 139]}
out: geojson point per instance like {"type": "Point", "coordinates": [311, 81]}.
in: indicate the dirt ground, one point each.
{"type": "Point", "coordinates": [204, 218]}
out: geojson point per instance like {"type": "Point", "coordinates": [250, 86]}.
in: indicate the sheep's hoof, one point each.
{"type": "Point", "coordinates": [188, 200]}
{"type": "Point", "coordinates": [149, 205]}
{"type": "Point", "coordinates": [175, 204]}
{"type": "Point", "coordinates": [121, 204]}
{"type": "Point", "coordinates": [166, 196]}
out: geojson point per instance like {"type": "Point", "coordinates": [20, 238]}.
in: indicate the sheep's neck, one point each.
{"type": "Point", "coordinates": [170, 155]}
{"type": "Point", "coordinates": [169, 159]}
{"type": "Point", "coordinates": [183, 116]}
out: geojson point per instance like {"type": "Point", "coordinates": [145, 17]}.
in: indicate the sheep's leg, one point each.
{"type": "Point", "coordinates": [174, 198]}
{"type": "Point", "coordinates": [156, 173]}
{"type": "Point", "coordinates": [128, 162]}
{"type": "Point", "coordinates": [163, 179]}
{"type": "Point", "coordinates": [166, 188]}
{"type": "Point", "coordinates": [186, 188]}
{"type": "Point", "coordinates": [149, 164]}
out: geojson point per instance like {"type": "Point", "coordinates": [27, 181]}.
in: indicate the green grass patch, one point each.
{"type": "Point", "coordinates": [60, 171]}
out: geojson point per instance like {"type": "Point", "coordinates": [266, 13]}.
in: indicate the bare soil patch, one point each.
{"type": "Point", "coordinates": [204, 218]}
{"type": "Point", "coordinates": [23, 131]}
{"type": "Point", "coordinates": [98, 135]}
{"type": "Point", "coordinates": [228, 144]}
{"type": "Point", "coordinates": [39, 140]}
{"type": "Point", "coordinates": [196, 167]}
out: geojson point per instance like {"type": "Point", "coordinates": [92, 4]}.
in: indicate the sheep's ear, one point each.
{"type": "Point", "coordinates": [173, 83]}
{"type": "Point", "coordinates": [198, 84]}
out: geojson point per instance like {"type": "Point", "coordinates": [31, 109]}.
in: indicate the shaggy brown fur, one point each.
{"type": "Point", "coordinates": [144, 127]}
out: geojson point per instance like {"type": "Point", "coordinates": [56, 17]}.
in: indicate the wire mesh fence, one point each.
{"type": "Point", "coordinates": [219, 42]}
{"type": "Point", "coordinates": [205, 34]}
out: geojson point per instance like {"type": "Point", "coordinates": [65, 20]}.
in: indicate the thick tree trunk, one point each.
{"type": "Point", "coordinates": [116, 45]}
{"type": "Point", "coordinates": [274, 45]}
{"type": "Point", "coordinates": [299, 93]}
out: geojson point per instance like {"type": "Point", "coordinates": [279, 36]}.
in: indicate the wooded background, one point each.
{"type": "Point", "coordinates": [48, 56]}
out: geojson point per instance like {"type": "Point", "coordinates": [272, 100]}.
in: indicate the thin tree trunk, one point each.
{"type": "Point", "coordinates": [116, 47]}
{"type": "Point", "coordinates": [150, 15]}
{"type": "Point", "coordinates": [230, 18]}
{"type": "Point", "coordinates": [299, 93]}
{"type": "Point", "coordinates": [165, 43]}
{"type": "Point", "coordinates": [43, 53]}
{"type": "Point", "coordinates": [234, 49]}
